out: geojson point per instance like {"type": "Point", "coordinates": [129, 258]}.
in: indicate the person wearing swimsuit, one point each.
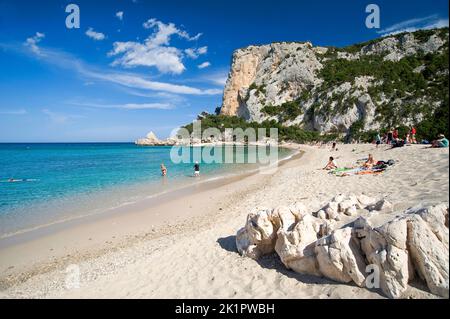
{"type": "Point", "coordinates": [163, 170]}
{"type": "Point", "coordinates": [196, 169]}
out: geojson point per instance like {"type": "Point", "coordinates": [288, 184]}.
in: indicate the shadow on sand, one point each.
{"type": "Point", "coordinates": [273, 262]}
{"type": "Point", "coordinates": [228, 243]}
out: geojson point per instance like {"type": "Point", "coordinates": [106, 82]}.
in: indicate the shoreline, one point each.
{"type": "Point", "coordinates": [180, 190]}
{"type": "Point", "coordinates": [37, 245]}
{"type": "Point", "coordinates": [192, 252]}
{"type": "Point", "coordinates": [142, 193]}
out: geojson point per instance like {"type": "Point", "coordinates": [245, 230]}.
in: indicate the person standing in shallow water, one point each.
{"type": "Point", "coordinates": [163, 170]}
{"type": "Point", "coordinates": [196, 169]}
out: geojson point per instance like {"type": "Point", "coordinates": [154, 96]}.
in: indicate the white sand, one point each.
{"type": "Point", "coordinates": [197, 258]}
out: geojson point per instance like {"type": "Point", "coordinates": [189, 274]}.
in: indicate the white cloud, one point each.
{"type": "Point", "coordinates": [411, 25]}
{"type": "Point", "coordinates": [128, 80]}
{"type": "Point", "coordinates": [202, 50]}
{"type": "Point", "coordinates": [165, 59]}
{"type": "Point", "coordinates": [162, 96]}
{"type": "Point", "coordinates": [54, 117]}
{"type": "Point", "coordinates": [155, 51]}
{"type": "Point", "coordinates": [119, 15]}
{"type": "Point", "coordinates": [191, 53]}
{"type": "Point", "coordinates": [134, 81]}
{"type": "Point", "coordinates": [145, 106]}
{"type": "Point", "coordinates": [98, 36]}
{"type": "Point", "coordinates": [150, 23]}
{"type": "Point", "coordinates": [165, 31]}
{"type": "Point", "coordinates": [33, 41]}
{"type": "Point", "coordinates": [204, 65]}
{"type": "Point", "coordinates": [219, 79]}
{"type": "Point", "coordinates": [14, 112]}
{"type": "Point", "coordinates": [194, 53]}
{"type": "Point", "coordinates": [128, 106]}
{"type": "Point", "coordinates": [59, 118]}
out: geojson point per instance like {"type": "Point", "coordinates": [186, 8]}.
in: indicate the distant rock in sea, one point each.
{"type": "Point", "coordinates": [152, 140]}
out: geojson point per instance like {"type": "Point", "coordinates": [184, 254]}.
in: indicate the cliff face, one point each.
{"type": "Point", "coordinates": [397, 79]}
{"type": "Point", "coordinates": [284, 70]}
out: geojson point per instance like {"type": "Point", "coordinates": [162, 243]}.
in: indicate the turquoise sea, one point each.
{"type": "Point", "coordinates": [54, 182]}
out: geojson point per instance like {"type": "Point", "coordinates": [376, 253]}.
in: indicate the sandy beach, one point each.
{"type": "Point", "coordinates": [184, 246]}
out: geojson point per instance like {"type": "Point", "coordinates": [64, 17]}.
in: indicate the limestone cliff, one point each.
{"type": "Point", "coordinates": [400, 79]}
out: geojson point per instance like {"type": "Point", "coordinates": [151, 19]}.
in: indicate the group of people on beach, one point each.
{"type": "Point", "coordinates": [196, 169]}
{"type": "Point", "coordinates": [392, 138]}
{"type": "Point", "coordinates": [368, 164]}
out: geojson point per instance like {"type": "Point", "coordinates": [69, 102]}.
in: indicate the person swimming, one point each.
{"type": "Point", "coordinates": [331, 164]}
{"type": "Point", "coordinates": [16, 180]}
{"type": "Point", "coordinates": [163, 170]}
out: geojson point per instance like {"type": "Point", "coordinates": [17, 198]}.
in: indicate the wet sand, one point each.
{"type": "Point", "coordinates": [50, 247]}
{"type": "Point", "coordinates": [185, 247]}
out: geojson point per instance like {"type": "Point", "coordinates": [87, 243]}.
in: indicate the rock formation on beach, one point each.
{"type": "Point", "coordinates": [412, 245]}
{"type": "Point", "coordinates": [398, 79]}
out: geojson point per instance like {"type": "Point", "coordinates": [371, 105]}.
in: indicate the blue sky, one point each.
{"type": "Point", "coordinates": [136, 66]}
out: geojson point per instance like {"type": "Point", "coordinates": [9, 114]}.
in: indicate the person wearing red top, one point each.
{"type": "Point", "coordinates": [395, 134]}
{"type": "Point", "coordinates": [413, 135]}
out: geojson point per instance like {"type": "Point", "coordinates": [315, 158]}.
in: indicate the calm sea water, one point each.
{"type": "Point", "coordinates": [60, 181]}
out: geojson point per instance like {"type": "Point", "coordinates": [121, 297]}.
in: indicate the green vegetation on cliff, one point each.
{"type": "Point", "coordinates": [285, 133]}
{"type": "Point", "coordinates": [284, 112]}
{"type": "Point", "coordinates": [414, 88]}
{"type": "Point", "coordinates": [358, 89]}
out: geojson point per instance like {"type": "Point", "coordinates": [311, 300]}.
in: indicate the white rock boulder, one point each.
{"type": "Point", "coordinates": [259, 235]}
{"type": "Point", "coordinates": [296, 247]}
{"type": "Point", "coordinates": [415, 243]}
{"type": "Point", "coordinates": [385, 247]}
{"type": "Point", "coordinates": [340, 258]}
{"type": "Point", "coordinates": [429, 250]}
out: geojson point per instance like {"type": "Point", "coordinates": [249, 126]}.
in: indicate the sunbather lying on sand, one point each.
{"type": "Point", "coordinates": [331, 164]}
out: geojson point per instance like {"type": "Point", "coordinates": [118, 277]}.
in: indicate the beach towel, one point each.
{"type": "Point", "coordinates": [379, 168]}
{"type": "Point", "coordinates": [359, 171]}
{"type": "Point", "coordinates": [347, 171]}
{"type": "Point", "coordinates": [371, 172]}
{"type": "Point", "coordinates": [343, 169]}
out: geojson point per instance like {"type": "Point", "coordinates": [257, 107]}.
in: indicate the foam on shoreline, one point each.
{"type": "Point", "coordinates": [179, 189]}
{"type": "Point", "coordinates": [157, 252]}
{"type": "Point", "coordinates": [75, 210]}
